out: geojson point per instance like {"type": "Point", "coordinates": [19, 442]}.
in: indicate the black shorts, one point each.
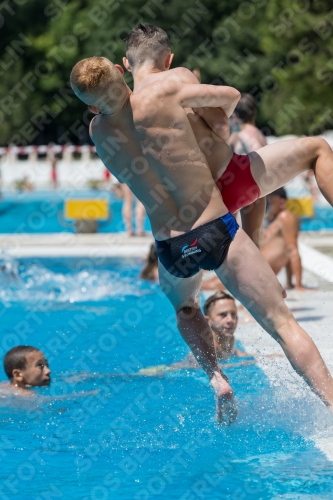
{"type": "Point", "coordinates": [204, 247]}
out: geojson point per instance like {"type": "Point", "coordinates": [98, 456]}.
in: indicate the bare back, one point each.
{"type": "Point", "coordinates": [151, 147]}
{"type": "Point", "coordinates": [250, 138]}
{"type": "Point", "coordinates": [216, 151]}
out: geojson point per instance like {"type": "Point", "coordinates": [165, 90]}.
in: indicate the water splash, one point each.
{"type": "Point", "coordinates": [34, 282]}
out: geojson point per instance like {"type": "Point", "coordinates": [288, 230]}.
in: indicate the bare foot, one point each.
{"type": "Point", "coordinates": [226, 410]}
{"type": "Point", "coordinates": [301, 288]}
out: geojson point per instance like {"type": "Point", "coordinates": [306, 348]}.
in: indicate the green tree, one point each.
{"type": "Point", "coordinates": [299, 37]}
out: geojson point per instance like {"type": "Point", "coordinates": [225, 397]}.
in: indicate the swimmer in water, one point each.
{"type": "Point", "coordinates": [25, 367]}
{"type": "Point", "coordinates": [145, 139]}
{"type": "Point", "coordinates": [221, 314]}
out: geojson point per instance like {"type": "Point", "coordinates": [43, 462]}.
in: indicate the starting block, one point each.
{"type": "Point", "coordinates": [300, 207]}
{"type": "Point", "coordinates": [86, 213]}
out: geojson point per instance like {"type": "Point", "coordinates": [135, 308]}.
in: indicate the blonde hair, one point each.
{"type": "Point", "coordinates": [96, 79]}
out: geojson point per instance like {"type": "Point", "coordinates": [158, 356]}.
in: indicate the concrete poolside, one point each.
{"type": "Point", "coordinates": [75, 245]}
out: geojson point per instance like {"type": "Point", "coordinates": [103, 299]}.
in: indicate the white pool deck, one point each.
{"type": "Point", "coordinates": [313, 309]}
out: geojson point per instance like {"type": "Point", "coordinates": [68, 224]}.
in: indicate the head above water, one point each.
{"type": "Point", "coordinates": [221, 313]}
{"type": "Point", "coordinates": [100, 84]}
{"type": "Point", "coordinates": [26, 366]}
{"type": "Point", "coordinates": [148, 45]}
{"type": "Point", "coordinates": [246, 109]}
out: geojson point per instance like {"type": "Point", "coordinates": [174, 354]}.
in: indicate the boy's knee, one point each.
{"type": "Point", "coordinates": [320, 146]}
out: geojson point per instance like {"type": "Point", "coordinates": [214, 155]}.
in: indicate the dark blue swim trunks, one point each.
{"type": "Point", "coordinates": [204, 247]}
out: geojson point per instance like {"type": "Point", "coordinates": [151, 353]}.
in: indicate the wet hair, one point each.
{"type": "Point", "coordinates": [151, 264]}
{"type": "Point", "coordinates": [147, 43]}
{"type": "Point", "coordinates": [246, 108]}
{"type": "Point", "coordinates": [281, 192]}
{"type": "Point", "coordinates": [96, 79]}
{"type": "Point", "coordinates": [220, 295]}
{"type": "Point", "coordinates": [16, 358]}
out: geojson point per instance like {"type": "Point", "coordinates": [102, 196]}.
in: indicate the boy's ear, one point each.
{"type": "Point", "coordinates": [127, 64]}
{"type": "Point", "coordinates": [209, 321]}
{"type": "Point", "coordinates": [17, 375]}
{"type": "Point", "coordinates": [168, 60]}
{"type": "Point", "coordinates": [120, 68]}
{"type": "Point", "coordinates": [93, 109]}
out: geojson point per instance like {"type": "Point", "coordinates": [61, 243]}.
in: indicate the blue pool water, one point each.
{"type": "Point", "coordinates": [138, 438]}
{"type": "Point", "coordinates": [42, 212]}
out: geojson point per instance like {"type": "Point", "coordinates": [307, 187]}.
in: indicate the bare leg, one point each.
{"type": "Point", "coordinates": [127, 209]}
{"type": "Point", "coordinates": [274, 165]}
{"type": "Point", "coordinates": [248, 276]}
{"type": "Point", "coordinates": [140, 218]}
{"type": "Point", "coordinates": [289, 273]}
{"type": "Point", "coordinates": [184, 296]}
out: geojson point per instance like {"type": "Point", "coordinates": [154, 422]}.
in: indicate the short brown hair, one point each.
{"type": "Point", "coordinates": [246, 108]}
{"type": "Point", "coordinates": [147, 42]}
{"type": "Point", "coordinates": [16, 358]}
{"type": "Point", "coordinates": [220, 295]}
{"type": "Point", "coordinates": [95, 77]}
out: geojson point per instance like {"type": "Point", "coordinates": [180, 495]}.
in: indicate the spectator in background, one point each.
{"type": "Point", "coordinates": [246, 137]}
{"type": "Point", "coordinates": [279, 241]}
{"type": "Point", "coordinates": [54, 174]}
{"type": "Point", "coordinates": [150, 269]}
{"type": "Point", "coordinates": [127, 213]}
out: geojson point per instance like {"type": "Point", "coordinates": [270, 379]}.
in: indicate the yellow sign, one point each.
{"type": "Point", "coordinates": [300, 207]}
{"type": "Point", "coordinates": [86, 209]}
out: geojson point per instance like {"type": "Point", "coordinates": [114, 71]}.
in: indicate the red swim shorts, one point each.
{"type": "Point", "coordinates": [236, 184]}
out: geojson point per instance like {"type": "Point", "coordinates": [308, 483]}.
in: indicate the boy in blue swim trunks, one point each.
{"type": "Point", "coordinates": [145, 140]}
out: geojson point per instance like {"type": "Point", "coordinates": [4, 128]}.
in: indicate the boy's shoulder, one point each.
{"type": "Point", "coordinates": [182, 74]}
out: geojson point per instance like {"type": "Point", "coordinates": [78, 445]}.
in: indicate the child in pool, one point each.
{"type": "Point", "coordinates": [221, 313]}
{"type": "Point", "coordinates": [25, 367]}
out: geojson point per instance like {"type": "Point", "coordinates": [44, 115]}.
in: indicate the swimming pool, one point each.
{"type": "Point", "coordinates": [138, 438]}
{"type": "Point", "coordinates": [42, 212]}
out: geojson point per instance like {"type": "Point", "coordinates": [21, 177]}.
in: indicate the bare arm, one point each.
{"type": "Point", "coordinates": [252, 219]}
{"type": "Point", "coordinates": [211, 96]}
{"type": "Point", "coordinates": [215, 118]}
{"type": "Point", "coordinates": [290, 234]}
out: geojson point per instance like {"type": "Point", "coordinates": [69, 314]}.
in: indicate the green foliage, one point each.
{"type": "Point", "coordinates": [281, 51]}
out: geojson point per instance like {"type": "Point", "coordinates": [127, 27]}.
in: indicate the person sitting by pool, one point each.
{"type": "Point", "coordinates": [279, 240]}
{"type": "Point", "coordinates": [26, 367]}
{"type": "Point", "coordinates": [221, 314]}
{"type": "Point", "coordinates": [149, 271]}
